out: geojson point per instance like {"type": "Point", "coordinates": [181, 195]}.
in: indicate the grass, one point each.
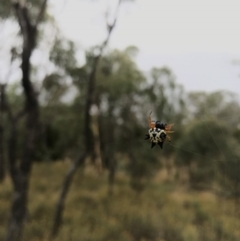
{"type": "Point", "coordinates": [164, 211]}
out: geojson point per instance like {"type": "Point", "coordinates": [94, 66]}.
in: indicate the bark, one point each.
{"type": "Point", "coordinates": [87, 134]}
{"type": "Point", "coordinates": [19, 197]}
{"type": "Point", "coordinates": [64, 191]}
{"type": "Point", "coordinates": [20, 174]}
{"type": "Point", "coordinates": [97, 144]}
{"type": "Point", "coordinates": [2, 154]}
{"type": "Point", "coordinates": [105, 146]}
{"type": "Point", "coordinates": [110, 154]}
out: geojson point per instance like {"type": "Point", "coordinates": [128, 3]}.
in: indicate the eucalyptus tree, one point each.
{"type": "Point", "coordinates": [29, 16]}
{"type": "Point", "coordinates": [88, 140]}
{"type": "Point", "coordinates": [119, 86]}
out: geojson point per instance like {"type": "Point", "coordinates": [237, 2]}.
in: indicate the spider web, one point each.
{"type": "Point", "coordinates": [221, 151]}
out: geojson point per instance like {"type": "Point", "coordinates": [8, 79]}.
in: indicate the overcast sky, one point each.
{"type": "Point", "coordinates": [198, 40]}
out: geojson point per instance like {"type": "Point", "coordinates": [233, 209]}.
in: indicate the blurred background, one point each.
{"type": "Point", "coordinates": [78, 80]}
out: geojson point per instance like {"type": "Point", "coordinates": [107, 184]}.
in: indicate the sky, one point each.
{"type": "Point", "coordinates": [198, 40]}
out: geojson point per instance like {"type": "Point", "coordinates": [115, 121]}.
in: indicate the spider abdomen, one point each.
{"type": "Point", "coordinates": [156, 136]}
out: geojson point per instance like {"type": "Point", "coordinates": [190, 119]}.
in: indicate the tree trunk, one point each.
{"type": "Point", "coordinates": [110, 152]}
{"type": "Point", "coordinates": [64, 191]}
{"type": "Point", "coordinates": [19, 202]}
{"type": "Point", "coordinates": [2, 154]}
{"type": "Point", "coordinates": [18, 211]}
{"type": "Point", "coordinates": [88, 135]}
{"type": "Point", "coordinates": [97, 144]}
{"type": "Point", "coordinates": [21, 174]}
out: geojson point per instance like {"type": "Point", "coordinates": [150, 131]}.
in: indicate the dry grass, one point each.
{"type": "Point", "coordinates": [165, 211]}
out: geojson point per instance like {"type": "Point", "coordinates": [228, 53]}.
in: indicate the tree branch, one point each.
{"type": "Point", "coordinates": [21, 21]}
{"type": "Point", "coordinates": [64, 191]}
{"type": "Point", "coordinates": [87, 127]}
{"type": "Point", "coordinates": [41, 12]}
{"type": "Point", "coordinates": [92, 79]}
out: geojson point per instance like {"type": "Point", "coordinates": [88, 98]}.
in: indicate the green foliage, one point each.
{"type": "Point", "coordinates": [207, 148]}
{"type": "Point", "coordinates": [6, 8]}
{"type": "Point", "coordinates": [125, 96]}
{"type": "Point", "coordinates": [54, 88]}
{"type": "Point", "coordinates": [62, 133]}
{"type": "Point", "coordinates": [230, 169]}
{"type": "Point", "coordinates": [118, 77]}
{"type": "Point", "coordinates": [202, 140]}
{"type": "Point", "coordinates": [221, 105]}
{"type": "Point", "coordinates": [132, 51]}
{"type": "Point", "coordinates": [143, 164]}
{"type": "Point", "coordinates": [63, 54]}
{"type": "Point", "coordinates": [15, 97]}
{"type": "Point", "coordinates": [166, 95]}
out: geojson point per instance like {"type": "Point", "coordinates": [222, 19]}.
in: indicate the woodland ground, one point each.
{"type": "Point", "coordinates": [165, 211]}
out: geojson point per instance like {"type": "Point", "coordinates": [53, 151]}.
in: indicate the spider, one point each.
{"type": "Point", "coordinates": [158, 132]}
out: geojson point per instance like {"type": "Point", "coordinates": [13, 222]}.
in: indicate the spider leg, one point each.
{"type": "Point", "coordinates": [168, 127]}
{"type": "Point", "coordinates": [160, 144]}
{"type": "Point", "coordinates": [151, 123]}
{"type": "Point", "coordinates": [169, 138]}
